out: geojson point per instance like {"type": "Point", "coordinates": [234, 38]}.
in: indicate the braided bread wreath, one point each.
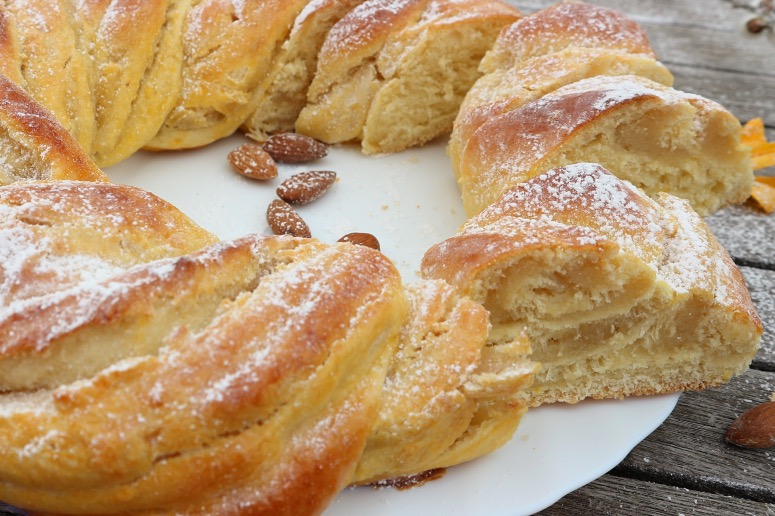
{"type": "Point", "coordinates": [148, 368]}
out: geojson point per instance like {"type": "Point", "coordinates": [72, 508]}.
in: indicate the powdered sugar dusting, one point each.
{"type": "Point", "coordinates": [360, 26]}
{"type": "Point", "coordinates": [506, 149]}
{"type": "Point", "coordinates": [693, 259]}
{"type": "Point", "coordinates": [585, 195]}
{"type": "Point", "coordinates": [572, 24]}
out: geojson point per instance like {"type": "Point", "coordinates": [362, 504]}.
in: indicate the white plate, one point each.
{"type": "Point", "coordinates": [410, 201]}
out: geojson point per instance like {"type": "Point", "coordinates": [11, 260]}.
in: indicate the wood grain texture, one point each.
{"type": "Point", "coordinates": [613, 495]}
{"type": "Point", "coordinates": [689, 450]}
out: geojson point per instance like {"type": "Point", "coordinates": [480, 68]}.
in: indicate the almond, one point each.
{"type": "Point", "coordinates": [250, 160]}
{"type": "Point", "coordinates": [755, 428]}
{"type": "Point", "coordinates": [364, 239]}
{"type": "Point", "coordinates": [294, 148]}
{"type": "Point", "coordinates": [305, 187]}
{"type": "Point", "coordinates": [283, 220]}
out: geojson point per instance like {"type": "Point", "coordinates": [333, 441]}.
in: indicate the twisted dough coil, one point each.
{"type": "Point", "coordinates": [34, 143]}
{"type": "Point", "coordinates": [200, 69]}
{"type": "Point", "coordinates": [477, 410]}
{"type": "Point", "coordinates": [148, 369]}
{"type": "Point", "coordinates": [588, 263]}
{"type": "Point", "coordinates": [620, 294]}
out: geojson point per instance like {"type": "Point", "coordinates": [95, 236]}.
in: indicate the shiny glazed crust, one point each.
{"type": "Point", "coordinates": [658, 138]}
{"type": "Point", "coordinates": [276, 370]}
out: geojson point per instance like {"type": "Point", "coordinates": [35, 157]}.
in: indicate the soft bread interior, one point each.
{"type": "Point", "coordinates": [507, 89]}
{"type": "Point", "coordinates": [389, 80]}
{"type": "Point", "coordinates": [684, 149]}
{"type": "Point", "coordinates": [656, 137]}
{"type": "Point", "coordinates": [294, 69]}
{"type": "Point", "coordinates": [421, 99]}
{"type": "Point", "coordinates": [641, 298]}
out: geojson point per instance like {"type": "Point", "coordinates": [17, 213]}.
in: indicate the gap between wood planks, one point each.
{"type": "Point", "coordinates": [695, 483]}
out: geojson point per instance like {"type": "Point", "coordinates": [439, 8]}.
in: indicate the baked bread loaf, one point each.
{"type": "Point", "coordinates": [147, 369]}
{"type": "Point", "coordinates": [386, 77]}
{"type": "Point", "coordinates": [660, 139]}
{"type": "Point", "coordinates": [508, 89]}
{"type": "Point", "coordinates": [564, 25]}
{"type": "Point", "coordinates": [620, 294]}
{"type": "Point", "coordinates": [548, 49]}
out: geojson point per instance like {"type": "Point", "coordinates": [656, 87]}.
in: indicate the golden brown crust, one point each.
{"type": "Point", "coordinates": [620, 295]}
{"type": "Point", "coordinates": [619, 114]}
{"type": "Point", "coordinates": [60, 81]}
{"type": "Point", "coordinates": [36, 145]}
{"type": "Point", "coordinates": [447, 399]}
{"type": "Point", "coordinates": [228, 49]}
{"type": "Point", "coordinates": [567, 24]}
{"type": "Point", "coordinates": [385, 76]}
{"type": "Point", "coordinates": [146, 369]}
{"type": "Point", "coordinates": [139, 71]}
{"type": "Point", "coordinates": [275, 386]}
{"type": "Point", "coordinates": [505, 90]}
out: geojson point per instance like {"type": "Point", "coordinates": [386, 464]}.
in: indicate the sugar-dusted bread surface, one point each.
{"type": "Point", "coordinates": [660, 139]}
{"type": "Point", "coordinates": [448, 398]}
{"type": "Point", "coordinates": [621, 295]}
{"type": "Point", "coordinates": [507, 89]}
{"type": "Point", "coordinates": [566, 24]}
{"type": "Point", "coordinates": [389, 80]}
{"type": "Point", "coordinates": [35, 145]}
{"type": "Point", "coordinates": [147, 368]}
{"type": "Point", "coordinates": [243, 376]}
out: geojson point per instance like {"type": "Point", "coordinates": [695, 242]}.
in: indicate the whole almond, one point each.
{"type": "Point", "coordinates": [294, 148]}
{"type": "Point", "coordinates": [283, 220]}
{"type": "Point", "coordinates": [305, 187]}
{"type": "Point", "coordinates": [252, 161]}
{"type": "Point", "coordinates": [364, 239]}
{"type": "Point", "coordinates": [755, 428]}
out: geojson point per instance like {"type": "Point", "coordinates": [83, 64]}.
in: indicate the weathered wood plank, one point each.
{"type": "Point", "coordinates": [761, 285]}
{"type": "Point", "coordinates": [616, 496]}
{"type": "Point", "coordinates": [747, 233]}
{"type": "Point", "coordinates": [746, 96]}
{"type": "Point", "coordinates": [689, 450]}
{"type": "Point", "coordinates": [712, 49]}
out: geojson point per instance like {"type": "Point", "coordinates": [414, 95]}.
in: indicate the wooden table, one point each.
{"type": "Point", "coordinates": [685, 466]}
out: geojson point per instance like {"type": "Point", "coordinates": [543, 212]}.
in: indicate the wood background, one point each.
{"type": "Point", "coordinates": [685, 466]}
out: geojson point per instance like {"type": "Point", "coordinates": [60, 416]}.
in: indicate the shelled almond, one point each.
{"type": "Point", "coordinates": [283, 220]}
{"type": "Point", "coordinates": [305, 187]}
{"type": "Point", "coordinates": [294, 148]}
{"type": "Point", "coordinates": [251, 160]}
